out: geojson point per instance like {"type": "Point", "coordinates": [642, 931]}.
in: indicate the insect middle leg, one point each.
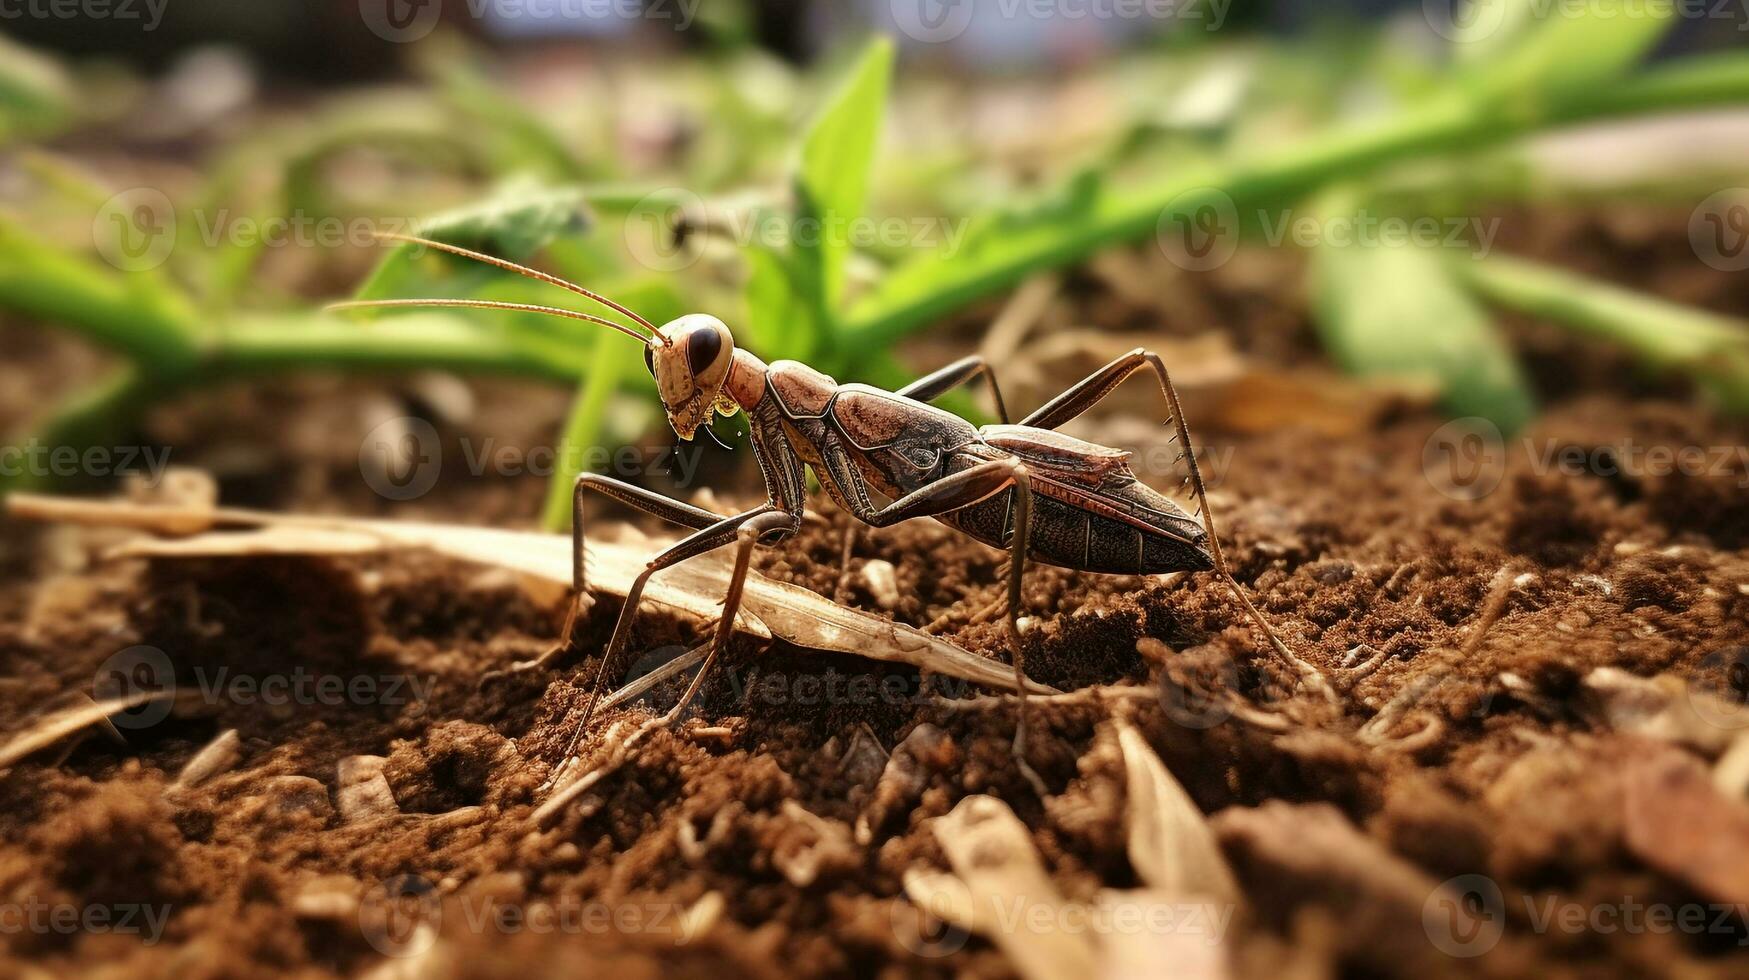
{"type": "Point", "coordinates": [963, 371]}
{"type": "Point", "coordinates": [960, 490]}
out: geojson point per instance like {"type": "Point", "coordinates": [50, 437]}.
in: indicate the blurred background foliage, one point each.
{"type": "Point", "coordinates": [650, 163]}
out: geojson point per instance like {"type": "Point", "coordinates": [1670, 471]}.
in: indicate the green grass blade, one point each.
{"type": "Point", "coordinates": [832, 178]}
{"type": "Point", "coordinates": [1396, 310]}
{"type": "Point", "coordinates": [1711, 348]}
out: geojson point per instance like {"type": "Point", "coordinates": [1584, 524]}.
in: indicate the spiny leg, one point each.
{"type": "Point", "coordinates": [1017, 550]}
{"type": "Point", "coordinates": [748, 535]}
{"type": "Point", "coordinates": [1094, 388]}
{"type": "Point", "coordinates": [932, 386]}
{"type": "Point", "coordinates": [723, 532]}
{"type": "Point", "coordinates": [636, 497]}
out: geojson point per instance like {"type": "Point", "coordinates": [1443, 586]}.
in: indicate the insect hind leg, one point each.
{"type": "Point", "coordinates": [1091, 391]}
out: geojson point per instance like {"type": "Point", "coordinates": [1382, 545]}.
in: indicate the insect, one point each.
{"type": "Point", "coordinates": [886, 457]}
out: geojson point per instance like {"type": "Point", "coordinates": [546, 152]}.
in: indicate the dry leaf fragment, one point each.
{"type": "Point", "coordinates": [218, 756]}
{"type": "Point", "coordinates": [1000, 891]}
{"type": "Point", "coordinates": [1170, 843]}
{"type": "Point", "coordinates": [52, 728]}
{"type": "Point", "coordinates": [788, 612]}
{"type": "Point", "coordinates": [362, 791]}
{"type": "Point", "coordinates": [814, 845]}
{"type": "Point", "coordinates": [1306, 856]}
{"type": "Point", "coordinates": [1675, 821]}
{"type": "Point", "coordinates": [927, 749]}
{"type": "Point", "coordinates": [1154, 933]}
{"type": "Point", "coordinates": [1664, 707]}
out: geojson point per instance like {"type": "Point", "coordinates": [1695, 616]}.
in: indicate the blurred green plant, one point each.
{"type": "Point", "coordinates": [1423, 144]}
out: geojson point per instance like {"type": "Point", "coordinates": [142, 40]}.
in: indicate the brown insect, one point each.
{"type": "Point", "coordinates": [1024, 488]}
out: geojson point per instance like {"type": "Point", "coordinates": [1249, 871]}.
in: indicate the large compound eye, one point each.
{"type": "Point", "coordinates": [650, 360]}
{"type": "Point", "coordinates": [702, 347]}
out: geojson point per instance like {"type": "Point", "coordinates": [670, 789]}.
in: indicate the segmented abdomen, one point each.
{"type": "Point", "coordinates": [1083, 529]}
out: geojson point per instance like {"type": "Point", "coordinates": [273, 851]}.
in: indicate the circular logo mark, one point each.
{"type": "Point", "coordinates": [1465, 916]}
{"type": "Point", "coordinates": [927, 929]}
{"type": "Point", "coordinates": [1719, 694]}
{"type": "Point", "coordinates": [399, 917]}
{"type": "Point", "coordinates": [135, 674]}
{"type": "Point", "coordinates": [400, 21]}
{"type": "Point", "coordinates": [1199, 229]}
{"type": "Point", "coordinates": [1465, 459]}
{"type": "Point", "coordinates": [1201, 702]}
{"type": "Point", "coordinates": [401, 458]}
{"type": "Point", "coordinates": [135, 230]}
{"type": "Point", "coordinates": [932, 21]}
{"type": "Point", "coordinates": [1718, 230]}
{"type": "Point", "coordinates": [659, 229]}
{"type": "Point", "coordinates": [1465, 21]}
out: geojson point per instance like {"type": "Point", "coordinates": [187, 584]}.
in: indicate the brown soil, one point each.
{"type": "Point", "coordinates": [1505, 766]}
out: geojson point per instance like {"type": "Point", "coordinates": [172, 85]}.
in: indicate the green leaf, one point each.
{"type": "Point", "coordinates": [518, 140]}
{"type": "Point", "coordinates": [612, 360]}
{"type": "Point", "coordinates": [1712, 349]}
{"type": "Point", "coordinates": [138, 313]}
{"type": "Point", "coordinates": [1397, 310]}
{"type": "Point", "coordinates": [1000, 249]}
{"type": "Point", "coordinates": [833, 176]}
{"type": "Point", "coordinates": [513, 224]}
{"type": "Point", "coordinates": [779, 320]}
{"type": "Point", "coordinates": [1528, 51]}
{"type": "Point", "coordinates": [35, 94]}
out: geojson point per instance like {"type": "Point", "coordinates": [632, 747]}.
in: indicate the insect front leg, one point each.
{"type": "Point", "coordinates": [770, 520]}
{"type": "Point", "coordinates": [636, 497]}
{"type": "Point", "coordinates": [771, 523]}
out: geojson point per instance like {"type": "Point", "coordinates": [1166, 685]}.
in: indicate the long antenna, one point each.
{"type": "Point", "coordinates": [522, 270]}
{"type": "Point", "coordinates": [488, 304]}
